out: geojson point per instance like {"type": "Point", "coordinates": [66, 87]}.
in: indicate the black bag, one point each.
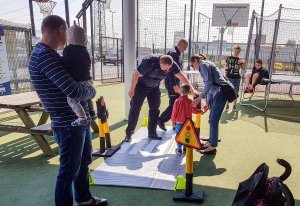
{"type": "Point", "coordinates": [259, 190]}
{"type": "Point", "coordinates": [228, 91]}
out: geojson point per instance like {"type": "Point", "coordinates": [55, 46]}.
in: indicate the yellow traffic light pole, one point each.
{"type": "Point", "coordinates": [188, 136]}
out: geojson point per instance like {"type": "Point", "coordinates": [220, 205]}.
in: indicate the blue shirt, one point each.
{"type": "Point", "coordinates": [53, 84]}
{"type": "Point", "coordinates": [151, 72]}
{"type": "Point", "coordinates": [212, 77]}
{"type": "Point", "coordinates": [171, 80]}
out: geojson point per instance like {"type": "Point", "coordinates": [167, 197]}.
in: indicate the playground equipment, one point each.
{"type": "Point", "coordinates": [188, 136]}
{"type": "Point", "coordinates": [273, 39]}
{"type": "Point", "coordinates": [104, 134]}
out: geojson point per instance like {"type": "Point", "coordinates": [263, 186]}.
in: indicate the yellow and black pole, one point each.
{"type": "Point", "coordinates": [198, 123]}
{"type": "Point", "coordinates": [104, 133]}
{"type": "Point", "coordinates": [188, 136]}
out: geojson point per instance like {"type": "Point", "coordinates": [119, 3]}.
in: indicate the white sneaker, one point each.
{"type": "Point", "coordinates": [96, 201]}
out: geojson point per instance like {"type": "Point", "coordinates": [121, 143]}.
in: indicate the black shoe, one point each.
{"type": "Point", "coordinates": [127, 138]}
{"type": "Point", "coordinates": [162, 125]}
{"type": "Point", "coordinates": [155, 136]}
{"type": "Point", "coordinates": [208, 152]}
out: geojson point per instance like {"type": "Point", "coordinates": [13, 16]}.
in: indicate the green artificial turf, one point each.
{"type": "Point", "coordinates": [248, 139]}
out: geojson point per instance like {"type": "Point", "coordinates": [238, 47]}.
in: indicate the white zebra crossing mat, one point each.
{"type": "Point", "coordinates": [143, 162]}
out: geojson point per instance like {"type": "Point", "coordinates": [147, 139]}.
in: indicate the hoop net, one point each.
{"type": "Point", "coordinates": [46, 6]}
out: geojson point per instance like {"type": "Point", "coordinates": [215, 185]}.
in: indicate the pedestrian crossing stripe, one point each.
{"type": "Point", "coordinates": [188, 136]}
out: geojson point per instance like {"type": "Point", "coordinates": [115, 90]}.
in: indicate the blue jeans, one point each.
{"type": "Point", "coordinates": [216, 105]}
{"type": "Point", "coordinates": [75, 150]}
{"type": "Point", "coordinates": [177, 128]}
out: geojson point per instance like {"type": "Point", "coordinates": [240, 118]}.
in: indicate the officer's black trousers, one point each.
{"type": "Point", "coordinates": [166, 115]}
{"type": "Point", "coordinates": [136, 103]}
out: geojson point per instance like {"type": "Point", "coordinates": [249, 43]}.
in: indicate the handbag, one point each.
{"type": "Point", "coordinates": [228, 91]}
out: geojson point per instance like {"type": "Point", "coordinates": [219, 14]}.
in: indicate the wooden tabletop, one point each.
{"type": "Point", "coordinates": [19, 100]}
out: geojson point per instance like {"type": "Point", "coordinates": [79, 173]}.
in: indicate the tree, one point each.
{"type": "Point", "coordinates": [291, 43]}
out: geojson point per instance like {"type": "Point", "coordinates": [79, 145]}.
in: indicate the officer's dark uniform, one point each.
{"type": "Point", "coordinates": [148, 86]}
{"type": "Point", "coordinates": [171, 81]}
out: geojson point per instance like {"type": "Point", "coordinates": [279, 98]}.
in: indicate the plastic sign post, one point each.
{"type": "Point", "coordinates": [104, 133]}
{"type": "Point", "coordinates": [189, 137]}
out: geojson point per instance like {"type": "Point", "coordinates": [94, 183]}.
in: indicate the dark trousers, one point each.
{"type": "Point", "coordinates": [166, 115]}
{"type": "Point", "coordinates": [136, 103]}
{"type": "Point", "coordinates": [75, 150]}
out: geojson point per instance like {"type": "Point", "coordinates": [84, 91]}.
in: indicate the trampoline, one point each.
{"type": "Point", "coordinates": [275, 81]}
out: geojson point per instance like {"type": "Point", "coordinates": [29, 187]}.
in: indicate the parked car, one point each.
{"type": "Point", "coordinates": [112, 58]}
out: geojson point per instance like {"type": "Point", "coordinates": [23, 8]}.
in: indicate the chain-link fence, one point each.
{"type": "Point", "coordinates": [18, 47]}
{"type": "Point", "coordinates": [109, 63]}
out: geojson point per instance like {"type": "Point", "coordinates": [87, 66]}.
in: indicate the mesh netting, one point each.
{"type": "Point", "coordinates": [46, 7]}
{"type": "Point", "coordinates": [18, 51]}
{"type": "Point", "coordinates": [279, 52]}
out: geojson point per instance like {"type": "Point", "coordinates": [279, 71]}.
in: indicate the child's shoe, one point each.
{"type": "Point", "coordinates": [80, 121]}
{"type": "Point", "coordinates": [178, 151]}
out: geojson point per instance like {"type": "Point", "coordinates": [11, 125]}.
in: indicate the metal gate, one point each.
{"type": "Point", "coordinates": [109, 60]}
{"type": "Point", "coordinates": [18, 47]}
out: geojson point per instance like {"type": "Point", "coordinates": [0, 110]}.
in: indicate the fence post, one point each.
{"type": "Point", "coordinates": [190, 32]}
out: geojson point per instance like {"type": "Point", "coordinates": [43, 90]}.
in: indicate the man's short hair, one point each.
{"type": "Point", "coordinates": [52, 22]}
{"type": "Point", "coordinates": [183, 41]}
{"type": "Point", "coordinates": [166, 59]}
{"type": "Point", "coordinates": [185, 88]}
{"type": "Point", "coordinates": [237, 47]}
{"type": "Point", "coordinates": [259, 61]}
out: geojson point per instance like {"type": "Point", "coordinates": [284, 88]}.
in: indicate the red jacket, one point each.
{"type": "Point", "coordinates": [182, 110]}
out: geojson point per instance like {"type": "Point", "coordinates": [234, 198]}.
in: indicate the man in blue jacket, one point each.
{"type": "Point", "coordinates": [145, 83]}
{"type": "Point", "coordinates": [172, 83]}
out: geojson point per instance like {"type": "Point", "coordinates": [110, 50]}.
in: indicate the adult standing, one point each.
{"type": "Point", "coordinates": [172, 83]}
{"type": "Point", "coordinates": [53, 84]}
{"type": "Point", "coordinates": [212, 78]}
{"type": "Point", "coordinates": [145, 83]}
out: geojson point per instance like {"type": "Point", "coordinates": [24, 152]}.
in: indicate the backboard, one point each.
{"type": "Point", "coordinates": [227, 15]}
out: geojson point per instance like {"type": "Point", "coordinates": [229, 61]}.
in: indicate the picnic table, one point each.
{"type": "Point", "coordinates": [24, 104]}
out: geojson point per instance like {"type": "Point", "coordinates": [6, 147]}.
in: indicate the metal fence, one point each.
{"type": "Point", "coordinates": [109, 64]}
{"type": "Point", "coordinates": [18, 47]}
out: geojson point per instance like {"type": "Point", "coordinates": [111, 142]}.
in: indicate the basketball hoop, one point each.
{"type": "Point", "coordinates": [46, 6]}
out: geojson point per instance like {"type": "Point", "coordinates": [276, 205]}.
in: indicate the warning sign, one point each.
{"type": "Point", "coordinates": [188, 136]}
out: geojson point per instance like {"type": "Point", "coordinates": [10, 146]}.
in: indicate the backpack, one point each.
{"type": "Point", "coordinates": [259, 190]}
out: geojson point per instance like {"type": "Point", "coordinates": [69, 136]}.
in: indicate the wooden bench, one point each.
{"type": "Point", "coordinates": [43, 129]}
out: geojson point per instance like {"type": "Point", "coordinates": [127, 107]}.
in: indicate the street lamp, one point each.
{"type": "Point", "coordinates": [145, 28]}
{"type": "Point", "coordinates": [112, 22]}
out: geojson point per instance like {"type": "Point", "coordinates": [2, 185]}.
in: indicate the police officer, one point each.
{"type": "Point", "coordinates": [145, 83]}
{"type": "Point", "coordinates": [172, 83]}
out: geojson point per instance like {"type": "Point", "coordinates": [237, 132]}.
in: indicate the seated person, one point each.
{"type": "Point", "coordinates": [254, 78]}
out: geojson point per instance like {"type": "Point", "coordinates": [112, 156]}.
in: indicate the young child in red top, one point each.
{"type": "Point", "coordinates": [182, 110]}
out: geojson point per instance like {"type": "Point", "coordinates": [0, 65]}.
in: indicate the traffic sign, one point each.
{"type": "Point", "coordinates": [188, 136]}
